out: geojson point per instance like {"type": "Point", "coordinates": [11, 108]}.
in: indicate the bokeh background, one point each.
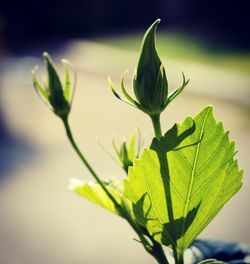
{"type": "Point", "coordinates": [41, 221]}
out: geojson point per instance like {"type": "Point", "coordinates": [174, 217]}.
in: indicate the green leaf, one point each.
{"type": "Point", "coordinates": [94, 192]}
{"type": "Point", "coordinates": [126, 155]}
{"type": "Point", "coordinates": [180, 184]}
{"type": "Point", "coordinates": [132, 153]}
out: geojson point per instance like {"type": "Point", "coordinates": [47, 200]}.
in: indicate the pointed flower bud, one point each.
{"type": "Point", "coordinates": [56, 95]}
{"type": "Point", "coordinates": [150, 83]}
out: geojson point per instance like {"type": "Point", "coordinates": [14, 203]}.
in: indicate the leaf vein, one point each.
{"type": "Point", "coordinates": [150, 194]}
{"type": "Point", "coordinates": [212, 174]}
{"type": "Point", "coordinates": [210, 211]}
{"type": "Point", "coordinates": [184, 158]}
{"type": "Point", "coordinates": [212, 155]}
{"type": "Point", "coordinates": [192, 175]}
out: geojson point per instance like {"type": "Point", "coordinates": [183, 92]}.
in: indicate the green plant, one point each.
{"type": "Point", "coordinates": [177, 185]}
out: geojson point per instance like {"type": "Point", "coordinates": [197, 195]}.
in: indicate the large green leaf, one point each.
{"type": "Point", "coordinates": [182, 182]}
{"type": "Point", "coordinates": [94, 192]}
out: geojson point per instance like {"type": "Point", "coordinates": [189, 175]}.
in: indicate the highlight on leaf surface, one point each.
{"type": "Point", "coordinates": [180, 183]}
{"type": "Point", "coordinates": [94, 193]}
{"type": "Point", "coordinates": [56, 95]}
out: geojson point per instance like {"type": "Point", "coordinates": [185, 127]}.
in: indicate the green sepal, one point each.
{"type": "Point", "coordinates": [129, 98]}
{"type": "Point", "coordinates": [112, 87]}
{"type": "Point", "coordinates": [42, 92]}
{"type": "Point", "coordinates": [178, 91]}
{"type": "Point", "coordinates": [67, 82]}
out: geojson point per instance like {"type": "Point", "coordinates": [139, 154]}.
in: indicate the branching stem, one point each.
{"type": "Point", "coordinates": [153, 249]}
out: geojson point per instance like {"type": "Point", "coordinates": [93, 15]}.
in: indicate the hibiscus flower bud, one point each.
{"type": "Point", "coordinates": [56, 95]}
{"type": "Point", "coordinates": [150, 82]}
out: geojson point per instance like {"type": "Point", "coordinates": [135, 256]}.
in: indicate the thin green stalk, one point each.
{"type": "Point", "coordinates": [175, 254]}
{"type": "Point", "coordinates": [123, 213]}
{"type": "Point", "coordinates": [157, 125]}
{"type": "Point", "coordinates": [158, 250]}
{"type": "Point", "coordinates": [180, 258]}
{"type": "Point", "coordinates": [88, 166]}
{"type": "Point", "coordinates": [155, 249]}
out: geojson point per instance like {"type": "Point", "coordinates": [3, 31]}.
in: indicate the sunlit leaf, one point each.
{"type": "Point", "coordinates": [94, 192]}
{"type": "Point", "coordinates": [132, 152]}
{"type": "Point", "coordinates": [180, 184]}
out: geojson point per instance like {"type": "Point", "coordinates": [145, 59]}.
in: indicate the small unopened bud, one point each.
{"type": "Point", "coordinates": [150, 83]}
{"type": "Point", "coordinates": [56, 95]}
{"type": "Point", "coordinates": [127, 154]}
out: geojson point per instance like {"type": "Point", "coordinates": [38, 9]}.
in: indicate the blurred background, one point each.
{"type": "Point", "coordinates": [41, 221]}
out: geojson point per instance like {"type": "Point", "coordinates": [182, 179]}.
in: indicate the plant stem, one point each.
{"type": "Point", "coordinates": [180, 259]}
{"type": "Point", "coordinates": [158, 252]}
{"type": "Point", "coordinates": [158, 134]}
{"type": "Point", "coordinates": [153, 250]}
{"type": "Point", "coordinates": [157, 125]}
{"type": "Point", "coordinates": [175, 254]}
{"type": "Point", "coordinates": [88, 166]}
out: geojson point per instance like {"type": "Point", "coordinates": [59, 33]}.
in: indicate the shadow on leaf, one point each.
{"type": "Point", "coordinates": [175, 228]}
{"type": "Point", "coordinates": [171, 231]}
